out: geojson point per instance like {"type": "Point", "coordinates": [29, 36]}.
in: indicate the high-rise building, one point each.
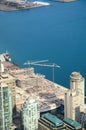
{"type": "Point", "coordinates": [10, 81]}
{"type": "Point", "coordinates": [74, 98]}
{"type": "Point", "coordinates": [5, 107]}
{"type": "Point", "coordinates": [30, 114]}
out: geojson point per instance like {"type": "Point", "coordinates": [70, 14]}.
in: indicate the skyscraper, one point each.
{"type": "Point", "coordinates": [30, 114]}
{"type": "Point", "coordinates": [74, 98]}
{"type": "Point", "coordinates": [5, 107]}
{"type": "Point", "coordinates": [10, 81]}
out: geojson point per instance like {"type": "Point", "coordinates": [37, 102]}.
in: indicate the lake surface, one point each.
{"type": "Point", "coordinates": [56, 33]}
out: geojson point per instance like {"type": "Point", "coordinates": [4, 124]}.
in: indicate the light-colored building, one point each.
{"type": "Point", "coordinates": [5, 107]}
{"type": "Point", "coordinates": [74, 98]}
{"type": "Point", "coordinates": [30, 114]}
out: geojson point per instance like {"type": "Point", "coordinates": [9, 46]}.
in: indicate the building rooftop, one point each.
{"type": "Point", "coordinates": [56, 121]}
{"type": "Point", "coordinates": [38, 86]}
{"type": "Point", "coordinates": [13, 127]}
{"type": "Point", "coordinates": [73, 123]}
{"type": "Point", "coordinates": [3, 85]}
{"type": "Point", "coordinates": [5, 77]}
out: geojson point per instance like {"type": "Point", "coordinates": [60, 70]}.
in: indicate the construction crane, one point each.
{"type": "Point", "coordinates": [37, 63]}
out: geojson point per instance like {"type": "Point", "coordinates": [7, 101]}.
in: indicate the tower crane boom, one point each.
{"type": "Point", "coordinates": [37, 63]}
{"type": "Point", "coordinates": [46, 65]}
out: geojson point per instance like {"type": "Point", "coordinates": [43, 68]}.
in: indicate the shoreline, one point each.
{"type": "Point", "coordinates": [31, 5]}
{"type": "Point", "coordinates": [4, 7]}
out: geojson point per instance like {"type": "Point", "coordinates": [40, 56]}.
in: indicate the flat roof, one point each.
{"type": "Point", "coordinates": [5, 77]}
{"type": "Point", "coordinates": [52, 119]}
{"type": "Point", "coordinates": [3, 85]}
{"type": "Point", "coordinates": [73, 123]}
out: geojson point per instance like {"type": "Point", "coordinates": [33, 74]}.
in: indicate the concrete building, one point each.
{"type": "Point", "coordinates": [74, 98]}
{"type": "Point", "coordinates": [5, 107]}
{"type": "Point", "coordinates": [30, 114]}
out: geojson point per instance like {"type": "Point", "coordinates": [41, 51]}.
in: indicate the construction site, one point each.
{"type": "Point", "coordinates": [28, 84]}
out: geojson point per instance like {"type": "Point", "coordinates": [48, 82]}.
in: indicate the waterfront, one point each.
{"type": "Point", "coordinates": [56, 33]}
{"type": "Point", "coordinates": [16, 7]}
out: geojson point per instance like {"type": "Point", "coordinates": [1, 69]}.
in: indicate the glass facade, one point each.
{"type": "Point", "coordinates": [5, 107]}
{"type": "Point", "coordinates": [30, 115]}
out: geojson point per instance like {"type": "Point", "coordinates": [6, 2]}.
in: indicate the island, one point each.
{"type": "Point", "coordinates": [12, 5]}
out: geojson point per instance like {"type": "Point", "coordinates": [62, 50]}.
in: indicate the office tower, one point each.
{"type": "Point", "coordinates": [30, 114]}
{"type": "Point", "coordinates": [5, 107]}
{"type": "Point", "coordinates": [74, 98]}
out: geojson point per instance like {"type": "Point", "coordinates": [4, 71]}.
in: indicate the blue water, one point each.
{"type": "Point", "coordinates": [56, 33]}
